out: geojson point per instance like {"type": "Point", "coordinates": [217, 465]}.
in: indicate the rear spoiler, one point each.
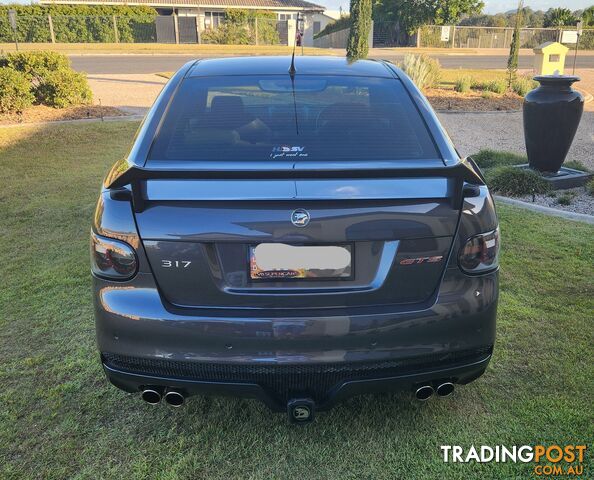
{"type": "Point", "coordinates": [124, 174]}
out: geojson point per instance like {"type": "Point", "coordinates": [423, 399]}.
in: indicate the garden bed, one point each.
{"type": "Point", "coordinates": [504, 178]}
{"type": "Point", "coordinates": [41, 113]}
{"type": "Point", "coordinates": [445, 99]}
{"type": "Point", "coordinates": [580, 201]}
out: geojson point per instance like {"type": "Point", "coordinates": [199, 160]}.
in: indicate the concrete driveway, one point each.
{"type": "Point", "coordinates": [132, 93]}
{"type": "Point", "coordinates": [472, 132]}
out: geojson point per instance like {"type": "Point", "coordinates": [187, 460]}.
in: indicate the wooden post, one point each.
{"type": "Point", "coordinates": [419, 37]}
{"type": "Point", "coordinates": [256, 28]}
{"type": "Point", "coordinates": [51, 28]}
{"type": "Point", "coordinates": [176, 27]}
{"type": "Point", "coordinates": [116, 34]}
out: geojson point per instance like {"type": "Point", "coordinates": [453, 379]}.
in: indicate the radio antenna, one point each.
{"type": "Point", "coordinates": [292, 71]}
{"type": "Point", "coordinates": [292, 67]}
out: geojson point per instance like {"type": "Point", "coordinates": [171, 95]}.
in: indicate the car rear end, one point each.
{"type": "Point", "coordinates": [293, 238]}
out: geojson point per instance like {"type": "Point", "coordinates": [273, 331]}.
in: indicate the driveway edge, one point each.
{"type": "Point", "coordinates": [576, 217]}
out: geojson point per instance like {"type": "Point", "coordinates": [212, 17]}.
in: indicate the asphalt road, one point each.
{"type": "Point", "coordinates": [124, 64]}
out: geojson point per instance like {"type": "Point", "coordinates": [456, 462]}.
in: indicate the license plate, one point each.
{"type": "Point", "coordinates": [279, 261]}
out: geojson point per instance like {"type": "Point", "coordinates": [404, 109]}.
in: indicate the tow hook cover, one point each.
{"type": "Point", "coordinates": [301, 410]}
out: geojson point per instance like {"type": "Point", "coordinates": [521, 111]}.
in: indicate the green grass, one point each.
{"type": "Point", "coordinates": [449, 76]}
{"type": "Point", "coordinates": [148, 48]}
{"type": "Point", "coordinates": [60, 419]}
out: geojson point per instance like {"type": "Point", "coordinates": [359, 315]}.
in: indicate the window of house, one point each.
{"type": "Point", "coordinates": [213, 19]}
{"type": "Point", "coordinates": [287, 16]}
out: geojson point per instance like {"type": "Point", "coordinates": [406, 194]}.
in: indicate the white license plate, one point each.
{"type": "Point", "coordinates": [279, 261]}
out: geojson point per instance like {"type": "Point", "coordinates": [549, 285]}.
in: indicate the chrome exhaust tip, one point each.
{"type": "Point", "coordinates": [424, 393]}
{"type": "Point", "coordinates": [150, 395]}
{"type": "Point", "coordinates": [174, 398]}
{"type": "Point", "coordinates": [445, 389]}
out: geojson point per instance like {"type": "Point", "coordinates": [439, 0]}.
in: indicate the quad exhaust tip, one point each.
{"type": "Point", "coordinates": [445, 389]}
{"type": "Point", "coordinates": [424, 393]}
{"type": "Point", "coordinates": [174, 398]}
{"type": "Point", "coordinates": [150, 395]}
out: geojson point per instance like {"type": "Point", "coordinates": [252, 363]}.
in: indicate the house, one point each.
{"type": "Point", "coordinates": [196, 16]}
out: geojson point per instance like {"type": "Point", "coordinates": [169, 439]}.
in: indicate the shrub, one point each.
{"type": "Point", "coordinates": [463, 84]}
{"type": "Point", "coordinates": [227, 34]}
{"type": "Point", "coordinates": [495, 86]}
{"type": "Point", "coordinates": [565, 199]}
{"type": "Point", "coordinates": [523, 84]}
{"type": "Point", "coordinates": [516, 181]}
{"type": "Point", "coordinates": [342, 23]}
{"type": "Point", "coordinates": [239, 29]}
{"type": "Point", "coordinates": [423, 70]}
{"type": "Point", "coordinates": [51, 79]}
{"type": "Point", "coordinates": [492, 158]}
{"type": "Point", "coordinates": [35, 64]}
{"type": "Point", "coordinates": [62, 88]}
{"type": "Point", "coordinates": [15, 91]}
{"type": "Point", "coordinates": [590, 187]}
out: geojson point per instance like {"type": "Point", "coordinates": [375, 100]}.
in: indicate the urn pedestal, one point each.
{"type": "Point", "coordinates": [552, 113]}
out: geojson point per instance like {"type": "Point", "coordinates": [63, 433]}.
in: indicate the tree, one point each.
{"type": "Point", "coordinates": [588, 16]}
{"type": "Point", "coordinates": [412, 14]}
{"type": "Point", "coordinates": [559, 17]}
{"type": "Point", "coordinates": [514, 49]}
{"type": "Point", "coordinates": [358, 44]}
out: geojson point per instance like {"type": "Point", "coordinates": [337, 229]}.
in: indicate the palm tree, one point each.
{"type": "Point", "coordinates": [588, 16]}
{"type": "Point", "coordinates": [559, 17]}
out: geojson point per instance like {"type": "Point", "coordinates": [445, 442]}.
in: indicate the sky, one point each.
{"type": "Point", "coordinates": [491, 6]}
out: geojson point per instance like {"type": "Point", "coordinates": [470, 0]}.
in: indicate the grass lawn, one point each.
{"type": "Point", "coordinates": [60, 419]}
{"type": "Point", "coordinates": [450, 75]}
{"type": "Point", "coordinates": [160, 48]}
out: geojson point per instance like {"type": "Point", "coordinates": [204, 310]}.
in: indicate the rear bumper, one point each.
{"type": "Point", "coordinates": [327, 355]}
{"type": "Point", "coordinates": [460, 374]}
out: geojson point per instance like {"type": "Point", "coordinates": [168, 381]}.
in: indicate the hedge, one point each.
{"type": "Point", "coordinates": [340, 24]}
{"type": "Point", "coordinates": [239, 29]}
{"type": "Point", "coordinates": [79, 23]}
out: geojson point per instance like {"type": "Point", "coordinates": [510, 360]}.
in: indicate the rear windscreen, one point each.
{"type": "Point", "coordinates": [259, 118]}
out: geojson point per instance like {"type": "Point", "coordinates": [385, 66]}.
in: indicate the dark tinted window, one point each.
{"type": "Point", "coordinates": [314, 118]}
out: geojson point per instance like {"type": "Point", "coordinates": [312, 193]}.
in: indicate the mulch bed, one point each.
{"type": "Point", "coordinates": [41, 113]}
{"type": "Point", "coordinates": [442, 99]}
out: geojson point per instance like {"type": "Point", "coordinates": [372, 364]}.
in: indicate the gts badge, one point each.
{"type": "Point", "coordinates": [416, 261]}
{"type": "Point", "coordinates": [175, 263]}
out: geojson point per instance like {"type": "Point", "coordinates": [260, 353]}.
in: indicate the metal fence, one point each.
{"type": "Point", "coordinates": [483, 37]}
{"type": "Point", "coordinates": [144, 29]}
{"type": "Point", "coordinates": [388, 34]}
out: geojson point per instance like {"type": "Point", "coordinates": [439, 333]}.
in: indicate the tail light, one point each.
{"type": "Point", "coordinates": [112, 259]}
{"type": "Point", "coordinates": [480, 253]}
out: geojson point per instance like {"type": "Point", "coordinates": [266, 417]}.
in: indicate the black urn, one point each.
{"type": "Point", "coordinates": [552, 113]}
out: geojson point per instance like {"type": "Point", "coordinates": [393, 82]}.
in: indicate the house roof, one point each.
{"type": "Point", "coordinates": [251, 4]}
